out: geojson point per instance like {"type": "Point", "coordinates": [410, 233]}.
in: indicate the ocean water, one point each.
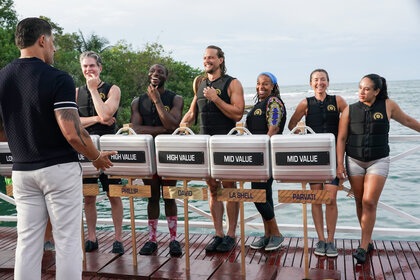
{"type": "Point", "coordinates": [401, 190]}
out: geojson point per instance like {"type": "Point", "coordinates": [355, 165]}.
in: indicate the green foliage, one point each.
{"type": "Point", "coordinates": [8, 21]}
{"type": "Point", "coordinates": [128, 68]}
{"type": "Point", "coordinates": [8, 17]}
{"type": "Point", "coordinates": [123, 65]}
{"type": "Point", "coordinates": [8, 50]}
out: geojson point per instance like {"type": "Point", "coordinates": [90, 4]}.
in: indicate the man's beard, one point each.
{"type": "Point", "coordinates": [159, 85]}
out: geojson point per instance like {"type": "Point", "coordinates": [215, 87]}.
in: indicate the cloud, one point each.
{"type": "Point", "coordinates": [290, 36]}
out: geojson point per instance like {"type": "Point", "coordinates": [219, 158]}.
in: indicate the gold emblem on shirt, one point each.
{"type": "Point", "coordinates": [331, 108]}
{"type": "Point", "coordinates": [258, 112]}
{"type": "Point", "coordinates": [378, 116]}
{"type": "Point", "coordinates": [218, 91]}
{"type": "Point", "coordinates": [167, 109]}
{"type": "Point", "coordinates": [103, 97]}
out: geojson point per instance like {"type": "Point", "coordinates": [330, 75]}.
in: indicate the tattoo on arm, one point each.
{"type": "Point", "coordinates": [70, 115]}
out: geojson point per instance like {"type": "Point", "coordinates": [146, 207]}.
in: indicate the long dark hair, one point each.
{"type": "Point", "coordinates": [379, 83]}
{"type": "Point", "coordinates": [220, 54]}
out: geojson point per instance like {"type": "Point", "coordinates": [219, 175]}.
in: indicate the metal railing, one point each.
{"type": "Point", "coordinates": [249, 225]}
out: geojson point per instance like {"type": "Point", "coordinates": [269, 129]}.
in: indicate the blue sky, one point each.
{"type": "Point", "coordinates": [289, 38]}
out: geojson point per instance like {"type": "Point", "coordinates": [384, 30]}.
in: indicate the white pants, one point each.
{"type": "Point", "coordinates": [54, 191]}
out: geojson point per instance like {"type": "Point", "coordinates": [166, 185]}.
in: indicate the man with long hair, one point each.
{"type": "Point", "coordinates": [220, 103]}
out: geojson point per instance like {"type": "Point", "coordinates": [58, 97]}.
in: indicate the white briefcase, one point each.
{"type": "Point", "coordinates": [308, 157]}
{"type": "Point", "coordinates": [135, 153]}
{"type": "Point", "coordinates": [183, 155]}
{"type": "Point", "coordinates": [240, 157]}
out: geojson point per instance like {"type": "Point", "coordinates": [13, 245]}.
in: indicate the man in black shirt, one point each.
{"type": "Point", "coordinates": [158, 112]}
{"type": "Point", "coordinates": [39, 120]}
{"type": "Point", "coordinates": [98, 104]}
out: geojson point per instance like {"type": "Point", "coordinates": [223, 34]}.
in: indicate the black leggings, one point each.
{"type": "Point", "coordinates": [266, 209]}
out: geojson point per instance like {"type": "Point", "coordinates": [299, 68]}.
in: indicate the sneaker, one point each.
{"type": "Point", "coordinates": [175, 248]}
{"type": "Point", "coordinates": [274, 243]}
{"type": "Point", "coordinates": [211, 247]}
{"type": "Point", "coordinates": [260, 243]}
{"type": "Point", "coordinates": [149, 248]}
{"type": "Point", "coordinates": [227, 244]}
{"type": "Point", "coordinates": [360, 255]}
{"type": "Point", "coordinates": [90, 245]}
{"type": "Point", "coordinates": [330, 250]}
{"type": "Point", "coordinates": [320, 248]}
{"type": "Point", "coordinates": [370, 248]}
{"type": "Point", "coordinates": [117, 248]}
{"type": "Point", "coordinates": [49, 246]}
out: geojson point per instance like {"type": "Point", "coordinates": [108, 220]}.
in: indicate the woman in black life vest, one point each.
{"type": "Point", "coordinates": [363, 134]}
{"type": "Point", "coordinates": [267, 117]}
{"type": "Point", "coordinates": [322, 114]}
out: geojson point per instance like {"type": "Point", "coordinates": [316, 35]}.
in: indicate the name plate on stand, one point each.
{"type": "Point", "coordinates": [129, 191]}
{"type": "Point", "coordinates": [244, 195]}
{"type": "Point", "coordinates": [9, 190]}
{"type": "Point", "coordinates": [190, 193]}
{"type": "Point", "coordinates": [90, 189]}
{"type": "Point", "coordinates": [304, 196]}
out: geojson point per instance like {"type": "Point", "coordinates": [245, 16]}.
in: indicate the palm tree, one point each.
{"type": "Point", "coordinates": [93, 43]}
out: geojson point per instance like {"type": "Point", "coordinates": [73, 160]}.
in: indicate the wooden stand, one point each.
{"type": "Point", "coordinates": [124, 265]}
{"type": "Point", "coordinates": [304, 197]}
{"type": "Point", "coordinates": [88, 190]}
{"type": "Point", "coordinates": [231, 270]}
{"type": "Point", "coordinates": [200, 268]}
{"type": "Point", "coordinates": [130, 191]}
{"type": "Point", "coordinates": [92, 261]}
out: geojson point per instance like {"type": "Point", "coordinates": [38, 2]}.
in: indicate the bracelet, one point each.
{"type": "Point", "coordinates": [97, 157]}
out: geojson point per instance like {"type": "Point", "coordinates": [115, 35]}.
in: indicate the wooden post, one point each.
{"type": "Point", "coordinates": [301, 127]}
{"type": "Point", "coordinates": [132, 218]}
{"type": "Point", "coordinates": [185, 193]}
{"type": "Point", "coordinates": [186, 229]}
{"type": "Point", "coordinates": [242, 195]}
{"type": "Point", "coordinates": [304, 196]}
{"type": "Point", "coordinates": [305, 234]}
{"type": "Point", "coordinates": [133, 226]}
{"type": "Point", "coordinates": [243, 271]}
{"type": "Point", "coordinates": [83, 243]}
{"type": "Point", "coordinates": [240, 127]}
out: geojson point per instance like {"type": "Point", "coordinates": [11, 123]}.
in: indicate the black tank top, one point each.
{"type": "Point", "coordinates": [323, 116]}
{"type": "Point", "coordinates": [87, 109]}
{"type": "Point", "coordinates": [212, 120]}
{"type": "Point", "coordinates": [148, 110]}
{"type": "Point", "coordinates": [256, 119]}
{"type": "Point", "coordinates": [368, 131]}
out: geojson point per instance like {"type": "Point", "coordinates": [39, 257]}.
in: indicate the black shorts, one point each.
{"type": "Point", "coordinates": [105, 181]}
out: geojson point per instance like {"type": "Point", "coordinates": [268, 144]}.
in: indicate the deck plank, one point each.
{"type": "Point", "coordinates": [389, 260]}
{"type": "Point", "coordinates": [385, 262]}
{"type": "Point", "coordinates": [404, 265]}
{"type": "Point", "coordinates": [376, 264]}
{"type": "Point", "coordinates": [340, 260]}
{"type": "Point", "coordinates": [411, 260]}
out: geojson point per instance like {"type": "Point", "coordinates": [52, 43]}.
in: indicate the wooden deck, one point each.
{"type": "Point", "coordinates": [391, 259]}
